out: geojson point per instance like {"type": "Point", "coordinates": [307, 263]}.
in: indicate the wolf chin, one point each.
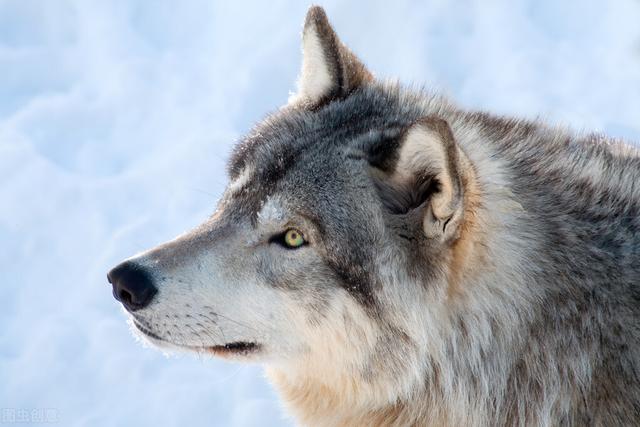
{"type": "Point", "coordinates": [393, 259]}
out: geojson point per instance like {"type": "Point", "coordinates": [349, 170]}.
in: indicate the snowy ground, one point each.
{"type": "Point", "coordinates": [116, 119]}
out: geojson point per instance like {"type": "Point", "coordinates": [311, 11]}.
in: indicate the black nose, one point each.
{"type": "Point", "coordinates": [132, 285]}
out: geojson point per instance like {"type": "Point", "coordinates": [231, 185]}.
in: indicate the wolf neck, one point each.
{"type": "Point", "coordinates": [315, 404]}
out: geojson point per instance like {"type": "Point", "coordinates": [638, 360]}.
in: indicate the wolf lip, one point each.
{"type": "Point", "coordinates": [240, 347]}
{"type": "Point", "coordinates": [142, 328]}
{"type": "Point", "coordinates": [234, 348]}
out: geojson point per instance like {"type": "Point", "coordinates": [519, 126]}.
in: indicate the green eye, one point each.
{"type": "Point", "coordinates": [293, 238]}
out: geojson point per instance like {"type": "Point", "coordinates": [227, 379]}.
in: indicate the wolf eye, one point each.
{"type": "Point", "coordinates": [290, 239]}
{"type": "Point", "coordinates": [293, 238]}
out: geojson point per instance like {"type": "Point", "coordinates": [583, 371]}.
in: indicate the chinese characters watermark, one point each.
{"type": "Point", "coordinates": [29, 415]}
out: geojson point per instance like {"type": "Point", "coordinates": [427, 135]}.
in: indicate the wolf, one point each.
{"type": "Point", "coordinates": [394, 259]}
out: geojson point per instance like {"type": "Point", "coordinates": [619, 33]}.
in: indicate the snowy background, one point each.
{"type": "Point", "coordinates": [116, 118]}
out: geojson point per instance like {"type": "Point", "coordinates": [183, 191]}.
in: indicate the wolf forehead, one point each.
{"type": "Point", "coordinates": [366, 123]}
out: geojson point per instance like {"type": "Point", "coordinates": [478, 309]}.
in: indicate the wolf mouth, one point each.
{"type": "Point", "coordinates": [237, 348]}
{"type": "Point", "coordinates": [233, 348]}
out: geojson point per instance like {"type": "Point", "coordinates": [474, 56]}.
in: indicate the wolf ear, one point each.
{"type": "Point", "coordinates": [429, 172]}
{"type": "Point", "coordinates": [329, 69]}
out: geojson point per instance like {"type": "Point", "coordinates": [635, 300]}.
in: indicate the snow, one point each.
{"type": "Point", "coordinates": [115, 122]}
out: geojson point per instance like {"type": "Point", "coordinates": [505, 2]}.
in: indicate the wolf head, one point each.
{"type": "Point", "coordinates": [331, 247]}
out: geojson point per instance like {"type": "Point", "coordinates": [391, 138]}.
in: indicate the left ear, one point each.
{"type": "Point", "coordinates": [329, 69]}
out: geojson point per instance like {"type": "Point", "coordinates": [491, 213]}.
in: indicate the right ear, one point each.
{"type": "Point", "coordinates": [329, 69]}
{"type": "Point", "coordinates": [429, 172]}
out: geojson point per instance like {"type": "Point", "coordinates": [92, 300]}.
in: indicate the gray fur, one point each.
{"type": "Point", "coordinates": [543, 326]}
